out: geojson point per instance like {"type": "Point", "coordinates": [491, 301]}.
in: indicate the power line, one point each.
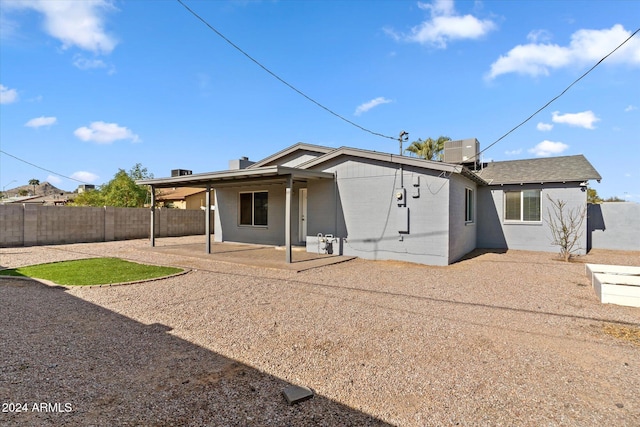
{"type": "Point", "coordinates": [44, 169]}
{"type": "Point", "coordinates": [290, 86]}
{"type": "Point", "coordinates": [557, 96]}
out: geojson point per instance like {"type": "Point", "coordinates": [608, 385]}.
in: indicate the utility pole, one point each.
{"type": "Point", "coordinates": [404, 136]}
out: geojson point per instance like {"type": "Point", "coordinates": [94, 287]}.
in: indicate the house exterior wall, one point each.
{"type": "Point", "coordinates": [614, 226]}
{"type": "Point", "coordinates": [364, 211]}
{"type": "Point", "coordinates": [197, 201]}
{"type": "Point", "coordinates": [496, 233]}
{"type": "Point", "coordinates": [227, 216]}
{"type": "Point", "coordinates": [462, 234]}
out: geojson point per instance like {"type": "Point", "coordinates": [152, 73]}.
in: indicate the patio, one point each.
{"type": "Point", "coordinates": [251, 255]}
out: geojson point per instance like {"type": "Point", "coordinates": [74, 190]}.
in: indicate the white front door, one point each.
{"type": "Point", "coordinates": [302, 214]}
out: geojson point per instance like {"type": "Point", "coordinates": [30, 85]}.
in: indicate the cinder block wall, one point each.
{"type": "Point", "coordinates": [11, 225]}
{"type": "Point", "coordinates": [30, 225]}
{"type": "Point", "coordinates": [614, 225]}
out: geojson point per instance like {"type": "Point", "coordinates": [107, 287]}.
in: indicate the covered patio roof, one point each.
{"type": "Point", "coordinates": [236, 177]}
{"type": "Point", "coordinates": [211, 180]}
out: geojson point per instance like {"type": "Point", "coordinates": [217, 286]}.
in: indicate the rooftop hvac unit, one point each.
{"type": "Point", "coordinates": [462, 151]}
{"type": "Point", "coordinates": [180, 172]}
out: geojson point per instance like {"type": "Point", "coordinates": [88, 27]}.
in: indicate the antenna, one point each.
{"type": "Point", "coordinates": [404, 136]}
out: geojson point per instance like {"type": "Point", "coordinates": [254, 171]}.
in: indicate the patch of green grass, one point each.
{"type": "Point", "coordinates": [92, 271]}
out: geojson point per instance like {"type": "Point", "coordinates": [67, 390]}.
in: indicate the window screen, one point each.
{"type": "Point", "coordinates": [522, 205]}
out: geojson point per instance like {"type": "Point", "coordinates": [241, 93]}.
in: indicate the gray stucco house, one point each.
{"type": "Point", "coordinates": [383, 206]}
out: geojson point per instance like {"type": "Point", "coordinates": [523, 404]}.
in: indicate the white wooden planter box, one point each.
{"type": "Point", "coordinates": [615, 284]}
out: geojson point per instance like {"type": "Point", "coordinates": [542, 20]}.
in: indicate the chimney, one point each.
{"type": "Point", "coordinates": [241, 163]}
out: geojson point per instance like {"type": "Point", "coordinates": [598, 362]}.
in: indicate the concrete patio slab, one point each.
{"type": "Point", "coordinates": [253, 255]}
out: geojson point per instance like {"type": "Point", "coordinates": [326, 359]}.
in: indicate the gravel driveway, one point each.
{"type": "Point", "coordinates": [516, 338]}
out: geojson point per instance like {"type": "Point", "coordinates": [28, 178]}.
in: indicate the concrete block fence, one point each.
{"type": "Point", "coordinates": [31, 225]}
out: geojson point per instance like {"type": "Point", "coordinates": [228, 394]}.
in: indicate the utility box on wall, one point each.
{"type": "Point", "coordinates": [401, 196]}
{"type": "Point", "coordinates": [403, 220]}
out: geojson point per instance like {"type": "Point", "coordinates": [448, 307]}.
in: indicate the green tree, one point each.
{"type": "Point", "coordinates": [429, 149]}
{"type": "Point", "coordinates": [89, 198]}
{"type": "Point", "coordinates": [34, 182]}
{"type": "Point", "coordinates": [614, 199]}
{"type": "Point", "coordinates": [121, 191]}
{"type": "Point", "coordinates": [592, 196]}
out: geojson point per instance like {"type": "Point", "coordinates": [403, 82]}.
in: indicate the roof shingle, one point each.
{"type": "Point", "coordinates": [553, 169]}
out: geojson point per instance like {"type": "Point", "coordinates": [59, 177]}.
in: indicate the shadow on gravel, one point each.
{"type": "Point", "coordinates": [69, 362]}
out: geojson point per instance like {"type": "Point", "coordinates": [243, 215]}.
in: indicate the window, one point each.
{"type": "Point", "coordinates": [468, 205]}
{"type": "Point", "coordinates": [522, 205]}
{"type": "Point", "coordinates": [253, 208]}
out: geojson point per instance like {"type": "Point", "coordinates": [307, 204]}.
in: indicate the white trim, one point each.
{"type": "Point", "coordinates": [521, 220]}
{"type": "Point", "coordinates": [470, 190]}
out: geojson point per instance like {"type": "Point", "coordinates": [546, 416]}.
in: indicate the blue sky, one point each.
{"type": "Point", "coordinates": [90, 87]}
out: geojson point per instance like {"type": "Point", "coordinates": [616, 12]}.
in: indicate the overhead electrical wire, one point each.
{"type": "Point", "coordinates": [386, 136]}
{"type": "Point", "coordinates": [44, 169]}
{"type": "Point", "coordinates": [281, 80]}
{"type": "Point", "coordinates": [556, 97]}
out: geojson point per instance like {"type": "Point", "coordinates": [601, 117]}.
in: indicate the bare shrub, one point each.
{"type": "Point", "coordinates": [566, 226]}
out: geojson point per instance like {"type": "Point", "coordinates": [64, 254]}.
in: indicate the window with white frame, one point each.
{"type": "Point", "coordinates": [254, 206]}
{"type": "Point", "coordinates": [523, 206]}
{"type": "Point", "coordinates": [468, 205]}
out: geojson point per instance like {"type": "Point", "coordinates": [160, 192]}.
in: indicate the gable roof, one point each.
{"type": "Point", "coordinates": [551, 169]}
{"type": "Point", "coordinates": [301, 146]}
{"type": "Point", "coordinates": [393, 158]}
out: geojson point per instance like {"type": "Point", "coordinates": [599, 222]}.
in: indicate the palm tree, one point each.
{"type": "Point", "coordinates": [34, 182]}
{"type": "Point", "coordinates": [429, 149]}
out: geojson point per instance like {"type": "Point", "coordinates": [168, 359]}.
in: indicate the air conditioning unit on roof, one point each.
{"type": "Point", "coordinates": [462, 151]}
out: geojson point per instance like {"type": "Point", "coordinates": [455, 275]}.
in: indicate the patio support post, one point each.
{"type": "Point", "coordinates": [287, 219]}
{"type": "Point", "coordinates": [207, 220]}
{"type": "Point", "coordinates": [153, 216]}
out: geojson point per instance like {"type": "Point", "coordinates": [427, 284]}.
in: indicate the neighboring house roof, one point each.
{"type": "Point", "coordinates": [393, 158]}
{"type": "Point", "coordinates": [49, 200]}
{"type": "Point", "coordinates": [180, 193]}
{"type": "Point", "coordinates": [551, 169]}
{"type": "Point", "coordinates": [301, 146]}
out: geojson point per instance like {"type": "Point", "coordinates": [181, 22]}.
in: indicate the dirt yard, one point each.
{"type": "Point", "coordinates": [516, 338]}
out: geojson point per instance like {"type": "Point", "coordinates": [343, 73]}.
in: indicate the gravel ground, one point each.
{"type": "Point", "coordinates": [516, 338]}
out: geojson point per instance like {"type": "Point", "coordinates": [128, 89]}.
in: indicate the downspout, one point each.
{"type": "Point", "coordinates": [153, 216]}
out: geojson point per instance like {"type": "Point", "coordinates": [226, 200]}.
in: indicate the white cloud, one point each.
{"type": "Point", "coordinates": [513, 152]}
{"type": "Point", "coordinates": [74, 23]}
{"type": "Point", "coordinates": [83, 63]}
{"type": "Point", "coordinates": [536, 36]}
{"type": "Point", "coordinates": [585, 119]}
{"type": "Point", "coordinates": [544, 127]}
{"type": "Point", "coordinates": [7, 96]}
{"type": "Point", "coordinates": [444, 26]}
{"type": "Point", "coordinates": [548, 148]}
{"type": "Point", "coordinates": [85, 176]}
{"type": "Point", "coordinates": [52, 179]}
{"type": "Point", "coordinates": [41, 121]}
{"type": "Point", "coordinates": [630, 108]}
{"type": "Point", "coordinates": [586, 47]}
{"type": "Point", "coordinates": [105, 133]}
{"type": "Point", "coordinates": [363, 108]}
